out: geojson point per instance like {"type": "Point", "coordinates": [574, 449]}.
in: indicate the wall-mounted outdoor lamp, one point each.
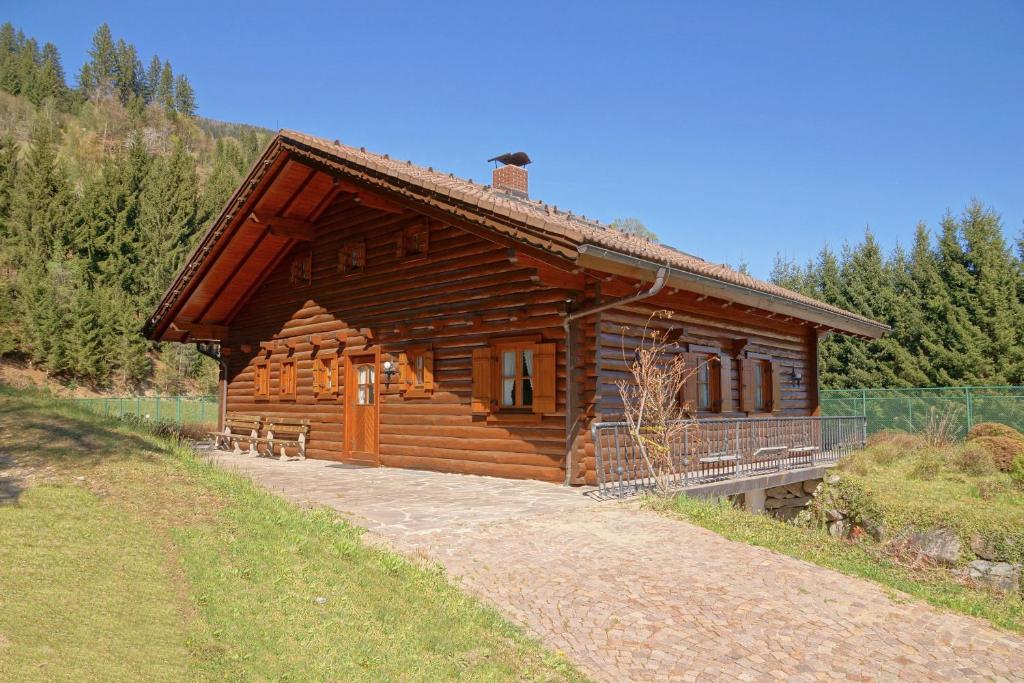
{"type": "Point", "coordinates": [797, 376]}
{"type": "Point", "coordinates": [389, 372]}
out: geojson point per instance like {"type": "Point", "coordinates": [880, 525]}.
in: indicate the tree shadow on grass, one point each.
{"type": "Point", "coordinates": [35, 437]}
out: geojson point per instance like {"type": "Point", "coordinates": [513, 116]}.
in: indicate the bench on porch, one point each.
{"type": "Point", "coordinates": [237, 428]}
{"type": "Point", "coordinates": [283, 433]}
{"type": "Point", "coordinates": [277, 433]}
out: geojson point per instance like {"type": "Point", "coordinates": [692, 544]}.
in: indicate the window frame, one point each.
{"type": "Point", "coordinates": [301, 270]}
{"type": "Point", "coordinates": [518, 347]}
{"type": "Point", "coordinates": [370, 386]}
{"type": "Point", "coordinates": [292, 383]}
{"type": "Point", "coordinates": [763, 390]}
{"type": "Point", "coordinates": [710, 362]}
{"type": "Point", "coordinates": [420, 229]}
{"type": "Point", "coordinates": [347, 250]}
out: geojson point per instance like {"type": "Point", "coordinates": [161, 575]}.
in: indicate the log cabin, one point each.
{"type": "Point", "coordinates": [422, 320]}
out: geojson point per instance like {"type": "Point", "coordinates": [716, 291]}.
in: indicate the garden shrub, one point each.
{"type": "Point", "coordinates": [848, 497]}
{"type": "Point", "coordinates": [1017, 472]}
{"type": "Point", "coordinates": [974, 459]}
{"type": "Point", "coordinates": [983, 429]}
{"type": "Point", "coordinates": [928, 465]}
{"type": "Point", "coordinates": [1004, 449]}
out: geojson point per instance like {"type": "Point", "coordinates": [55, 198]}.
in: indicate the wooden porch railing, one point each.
{"type": "Point", "coordinates": [723, 448]}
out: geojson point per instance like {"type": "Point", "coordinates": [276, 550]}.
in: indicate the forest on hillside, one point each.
{"type": "Point", "coordinates": [105, 186]}
{"type": "Point", "coordinates": [106, 183]}
{"type": "Point", "coordinates": [955, 301]}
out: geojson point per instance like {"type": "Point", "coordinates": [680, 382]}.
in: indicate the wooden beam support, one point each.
{"type": "Point", "coordinates": [292, 228]}
{"type": "Point", "coordinates": [201, 331]}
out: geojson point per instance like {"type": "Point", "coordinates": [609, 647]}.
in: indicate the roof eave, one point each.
{"type": "Point", "coordinates": [610, 261]}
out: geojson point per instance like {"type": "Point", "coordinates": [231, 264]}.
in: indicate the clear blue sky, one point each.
{"type": "Point", "coordinates": [733, 129]}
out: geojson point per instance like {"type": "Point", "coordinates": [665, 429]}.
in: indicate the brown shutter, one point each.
{"type": "Point", "coordinates": [482, 381]}
{"type": "Point", "coordinates": [747, 396]}
{"type": "Point", "coordinates": [776, 387]}
{"type": "Point", "coordinates": [725, 384]}
{"type": "Point", "coordinates": [318, 376]}
{"type": "Point", "coordinates": [690, 385]}
{"type": "Point", "coordinates": [544, 379]}
{"type": "Point", "coordinates": [428, 370]}
{"type": "Point", "coordinates": [405, 372]}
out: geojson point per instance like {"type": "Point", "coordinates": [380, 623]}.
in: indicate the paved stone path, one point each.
{"type": "Point", "coordinates": [630, 595]}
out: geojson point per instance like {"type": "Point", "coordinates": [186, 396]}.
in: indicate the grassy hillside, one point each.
{"type": "Point", "coordinates": [128, 559]}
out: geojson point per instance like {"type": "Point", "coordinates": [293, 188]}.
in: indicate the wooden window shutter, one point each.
{"type": "Point", "coordinates": [482, 377]}
{"type": "Point", "coordinates": [725, 384]}
{"type": "Point", "coordinates": [690, 385]}
{"type": "Point", "coordinates": [428, 370]}
{"type": "Point", "coordinates": [319, 376]}
{"type": "Point", "coordinates": [406, 376]}
{"type": "Point", "coordinates": [544, 379]}
{"type": "Point", "coordinates": [747, 394]}
{"type": "Point", "coordinates": [776, 387]}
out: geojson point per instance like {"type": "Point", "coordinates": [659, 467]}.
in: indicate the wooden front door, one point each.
{"type": "Point", "coordinates": [361, 402]}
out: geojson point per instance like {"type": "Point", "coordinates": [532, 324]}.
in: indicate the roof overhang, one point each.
{"type": "Point", "coordinates": [609, 261]}
{"type": "Point", "coordinates": [298, 177]}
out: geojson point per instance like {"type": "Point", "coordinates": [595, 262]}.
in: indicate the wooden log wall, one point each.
{"type": "Point", "coordinates": [465, 293]}
{"type": "Point", "coordinates": [789, 343]}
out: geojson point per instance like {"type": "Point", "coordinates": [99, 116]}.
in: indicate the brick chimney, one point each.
{"type": "Point", "coordinates": [511, 179]}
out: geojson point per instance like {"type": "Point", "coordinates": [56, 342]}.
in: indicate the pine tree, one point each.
{"type": "Point", "coordinates": [167, 220]}
{"type": "Point", "coordinates": [89, 358]}
{"type": "Point", "coordinates": [996, 308]}
{"type": "Point", "coordinates": [49, 79]}
{"type": "Point", "coordinates": [10, 45]}
{"type": "Point", "coordinates": [184, 96]}
{"type": "Point", "coordinates": [8, 174]}
{"type": "Point", "coordinates": [165, 88]}
{"type": "Point", "coordinates": [109, 234]}
{"type": "Point", "coordinates": [152, 79]}
{"type": "Point", "coordinates": [40, 223]}
{"type": "Point", "coordinates": [129, 72]}
{"type": "Point", "coordinates": [98, 77]}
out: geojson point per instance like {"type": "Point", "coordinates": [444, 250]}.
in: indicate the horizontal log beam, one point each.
{"type": "Point", "coordinates": [291, 228]}
{"type": "Point", "coordinates": [201, 331]}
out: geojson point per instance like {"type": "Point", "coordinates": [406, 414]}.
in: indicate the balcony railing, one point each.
{"type": "Point", "coordinates": [718, 449]}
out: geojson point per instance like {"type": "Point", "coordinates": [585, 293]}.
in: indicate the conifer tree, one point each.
{"type": "Point", "coordinates": [165, 88]}
{"type": "Point", "coordinates": [995, 305]}
{"type": "Point", "coordinates": [167, 220]}
{"type": "Point", "coordinates": [129, 72]}
{"type": "Point", "coordinates": [98, 76]}
{"type": "Point", "coordinates": [40, 223]}
{"type": "Point", "coordinates": [184, 96]}
{"type": "Point", "coordinates": [152, 79]}
{"type": "Point", "coordinates": [49, 79]}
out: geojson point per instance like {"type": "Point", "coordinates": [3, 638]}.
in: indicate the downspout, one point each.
{"type": "Point", "coordinates": [659, 283]}
{"type": "Point", "coordinates": [212, 351]}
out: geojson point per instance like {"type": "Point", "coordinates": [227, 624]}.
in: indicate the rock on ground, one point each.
{"type": "Point", "coordinates": [1002, 576]}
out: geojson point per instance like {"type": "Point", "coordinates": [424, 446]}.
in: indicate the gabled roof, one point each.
{"type": "Point", "coordinates": [542, 226]}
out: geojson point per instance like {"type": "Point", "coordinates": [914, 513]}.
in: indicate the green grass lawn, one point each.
{"type": "Point", "coordinates": [126, 558]}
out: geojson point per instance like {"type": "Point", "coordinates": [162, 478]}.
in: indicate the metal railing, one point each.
{"type": "Point", "coordinates": [717, 449]}
{"type": "Point", "coordinates": [910, 409]}
{"type": "Point", "coordinates": [182, 410]}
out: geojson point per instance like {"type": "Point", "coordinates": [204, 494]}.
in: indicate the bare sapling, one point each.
{"type": "Point", "coordinates": [653, 410]}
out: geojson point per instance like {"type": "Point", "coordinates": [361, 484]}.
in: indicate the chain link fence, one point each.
{"type": "Point", "coordinates": [182, 410]}
{"type": "Point", "coordinates": [910, 410]}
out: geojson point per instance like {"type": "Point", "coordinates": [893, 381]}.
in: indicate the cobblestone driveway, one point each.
{"type": "Point", "coordinates": [630, 595]}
